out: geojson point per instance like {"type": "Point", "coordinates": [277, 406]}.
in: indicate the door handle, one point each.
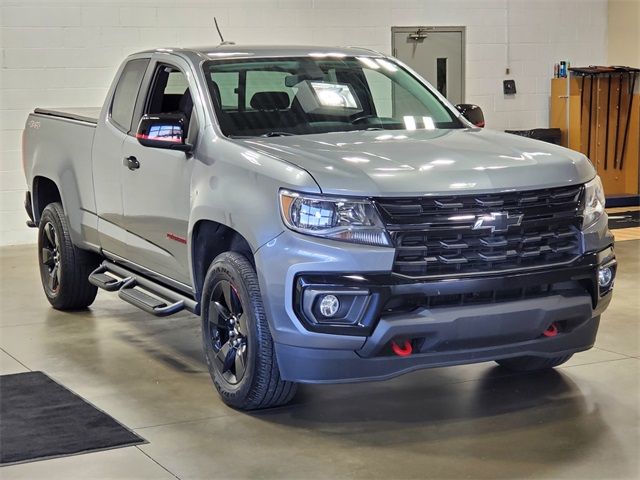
{"type": "Point", "coordinates": [131, 163]}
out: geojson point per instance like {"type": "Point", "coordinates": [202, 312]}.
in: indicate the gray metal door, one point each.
{"type": "Point", "coordinates": [156, 194]}
{"type": "Point", "coordinates": [436, 53]}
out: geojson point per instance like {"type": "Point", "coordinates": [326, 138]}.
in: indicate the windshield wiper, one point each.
{"type": "Point", "coordinates": [277, 134]}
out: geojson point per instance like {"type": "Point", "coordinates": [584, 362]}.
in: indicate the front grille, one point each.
{"type": "Point", "coordinates": [440, 236]}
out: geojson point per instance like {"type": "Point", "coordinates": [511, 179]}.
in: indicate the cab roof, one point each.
{"type": "Point", "coordinates": [249, 51]}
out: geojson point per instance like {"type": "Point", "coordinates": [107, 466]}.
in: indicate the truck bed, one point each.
{"type": "Point", "coordinates": [81, 114]}
{"type": "Point", "coordinates": [58, 145]}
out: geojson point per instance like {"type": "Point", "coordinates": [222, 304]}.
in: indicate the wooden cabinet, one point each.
{"type": "Point", "coordinates": [593, 114]}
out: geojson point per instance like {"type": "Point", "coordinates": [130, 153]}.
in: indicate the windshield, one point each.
{"type": "Point", "coordinates": [305, 95]}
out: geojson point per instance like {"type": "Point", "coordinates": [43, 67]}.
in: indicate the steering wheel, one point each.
{"type": "Point", "coordinates": [363, 117]}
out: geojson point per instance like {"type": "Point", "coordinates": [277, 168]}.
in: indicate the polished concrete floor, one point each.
{"type": "Point", "coordinates": [478, 421]}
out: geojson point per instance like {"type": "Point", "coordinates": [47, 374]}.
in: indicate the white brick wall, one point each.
{"type": "Point", "coordinates": [64, 52]}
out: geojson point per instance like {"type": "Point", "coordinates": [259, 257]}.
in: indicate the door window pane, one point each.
{"type": "Point", "coordinates": [169, 92]}
{"type": "Point", "coordinates": [176, 83]}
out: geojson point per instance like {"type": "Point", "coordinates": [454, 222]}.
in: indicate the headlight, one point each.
{"type": "Point", "coordinates": [593, 202]}
{"type": "Point", "coordinates": [348, 220]}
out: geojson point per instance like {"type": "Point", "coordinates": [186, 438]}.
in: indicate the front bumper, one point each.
{"type": "Point", "coordinates": [452, 333]}
{"type": "Point", "coordinates": [309, 365]}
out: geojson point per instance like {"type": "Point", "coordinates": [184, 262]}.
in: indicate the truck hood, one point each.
{"type": "Point", "coordinates": [402, 163]}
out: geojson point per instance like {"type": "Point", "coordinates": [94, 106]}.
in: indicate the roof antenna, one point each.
{"type": "Point", "coordinates": [222, 42]}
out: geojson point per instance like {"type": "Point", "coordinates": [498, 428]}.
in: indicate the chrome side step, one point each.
{"type": "Point", "coordinates": [140, 291]}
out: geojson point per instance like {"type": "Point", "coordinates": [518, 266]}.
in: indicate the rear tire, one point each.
{"type": "Point", "coordinates": [237, 342]}
{"type": "Point", "coordinates": [64, 268]}
{"type": "Point", "coordinates": [532, 364]}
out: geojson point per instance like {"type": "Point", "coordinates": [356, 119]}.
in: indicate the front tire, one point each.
{"type": "Point", "coordinates": [64, 268]}
{"type": "Point", "coordinates": [237, 342]}
{"type": "Point", "coordinates": [532, 364]}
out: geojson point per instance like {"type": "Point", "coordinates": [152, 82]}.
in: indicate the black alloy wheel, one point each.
{"type": "Point", "coordinates": [50, 258]}
{"type": "Point", "coordinates": [64, 268]}
{"type": "Point", "coordinates": [238, 347]}
{"type": "Point", "coordinates": [228, 332]}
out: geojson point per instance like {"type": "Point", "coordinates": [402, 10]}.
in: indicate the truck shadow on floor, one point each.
{"type": "Point", "coordinates": [473, 410]}
{"type": "Point", "coordinates": [528, 418]}
{"type": "Point", "coordinates": [178, 349]}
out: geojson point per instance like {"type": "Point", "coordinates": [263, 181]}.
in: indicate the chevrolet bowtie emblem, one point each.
{"type": "Point", "coordinates": [498, 221]}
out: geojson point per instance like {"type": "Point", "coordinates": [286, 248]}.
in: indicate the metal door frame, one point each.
{"type": "Point", "coordinates": [459, 29]}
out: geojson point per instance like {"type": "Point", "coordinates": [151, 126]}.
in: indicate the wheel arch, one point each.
{"type": "Point", "coordinates": [44, 192]}
{"type": "Point", "coordinates": [208, 240]}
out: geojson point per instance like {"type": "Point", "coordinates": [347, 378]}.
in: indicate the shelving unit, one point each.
{"type": "Point", "coordinates": [598, 116]}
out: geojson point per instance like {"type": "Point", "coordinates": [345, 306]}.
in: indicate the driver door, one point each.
{"type": "Point", "coordinates": [156, 184]}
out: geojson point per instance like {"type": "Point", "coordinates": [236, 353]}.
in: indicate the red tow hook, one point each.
{"type": "Point", "coordinates": [552, 331]}
{"type": "Point", "coordinates": [403, 351]}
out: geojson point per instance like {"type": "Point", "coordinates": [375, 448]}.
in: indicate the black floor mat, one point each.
{"type": "Point", "coordinates": [41, 419]}
{"type": "Point", "coordinates": [624, 219]}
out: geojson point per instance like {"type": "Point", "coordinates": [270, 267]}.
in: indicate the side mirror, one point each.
{"type": "Point", "coordinates": [473, 113]}
{"type": "Point", "coordinates": [164, 130]}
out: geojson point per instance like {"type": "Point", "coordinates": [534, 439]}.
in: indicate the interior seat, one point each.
{"type": "Point", "coordinates": [186, 106]}
{"type": "Point", "coordinates": [270, 101]}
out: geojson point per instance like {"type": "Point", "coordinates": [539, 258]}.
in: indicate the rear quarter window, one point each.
{"type": "Point", "coordinates": [124, 97]}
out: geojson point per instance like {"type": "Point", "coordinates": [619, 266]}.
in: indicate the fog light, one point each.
{"type": "Point", "coordinates": [329, 305]}
{"type": "Point", "coordinates": [605, 275]}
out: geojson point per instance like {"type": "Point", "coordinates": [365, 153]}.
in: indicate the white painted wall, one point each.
{"type": "Point", "coordinates": [624, 32]}
{"type": "Point", "coordinates": [64, 52]}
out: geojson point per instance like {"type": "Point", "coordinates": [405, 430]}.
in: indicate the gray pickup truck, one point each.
{"type": "Point", "coordinates": [327, 213]}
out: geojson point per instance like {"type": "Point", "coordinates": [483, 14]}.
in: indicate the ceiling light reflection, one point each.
{"type": "Point", "coordinates": [409, 122]}
{"type": "Point", "coordinates": [428, 123]}
{"type": "Point", "coordinates": [387, 65]}
{"type": "Point", "coordinates": [442, 161]}
{"type": "Point", "coordinates": [356, 159]}
{"type": "Point", "coordinates": [369, 62]}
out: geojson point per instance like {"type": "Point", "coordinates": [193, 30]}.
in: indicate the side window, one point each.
{"type": "Point", "coordinates": [169, 92]}
{"type": "Point", "coordinates": [176, 84]}
{"type": "Point", "coordinates": [124, 97]}
{"type": "Point", "coordinates": [227, 83]}
{"type": "Point", "coordinates": [266, 81]}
